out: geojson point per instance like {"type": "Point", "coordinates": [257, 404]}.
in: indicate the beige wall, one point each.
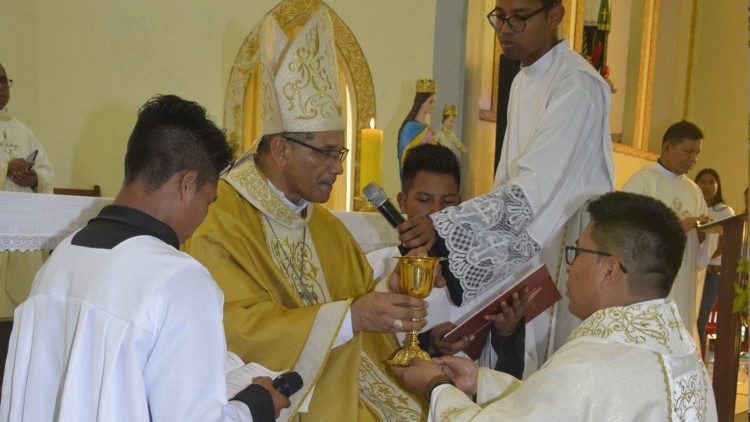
{"type": "Point", "coordinates": [82, 69]}
{"type": "Point", "coordinates": [718, 95]}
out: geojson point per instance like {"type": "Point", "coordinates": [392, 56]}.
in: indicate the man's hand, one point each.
{"type": "Point", "coordinates": [462, 371]}
{"type": "Point", "coordinates": [15, 165]}
{"type": "Point", "coordinates": [690, 223]}
{"type": "Point", "coordinates": [26, 178]}
{"type": "Point", "coordinates": [376, 312]}
{"type": "Point", "coordinates": [416, 376]}
{"type": "Point", "coordinates": [417, 231]}
{"type": "Point", "coordinates": [280, 401]}
{"type": "Point", "coordinates": [505, 321]}
{"type": "Point", "coordinates": [441, 347]}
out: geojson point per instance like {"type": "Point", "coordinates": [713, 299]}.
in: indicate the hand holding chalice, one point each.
{"type": "Point", "coordinates": [417, 274]}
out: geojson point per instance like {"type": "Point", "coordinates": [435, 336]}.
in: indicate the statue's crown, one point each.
{"type": "Point", "coordinates": [426, 86]}
{"type": "Point", "coordinates": [450, 110]}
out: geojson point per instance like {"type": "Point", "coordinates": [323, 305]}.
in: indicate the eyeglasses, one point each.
{"type": "Point", "coordinates": [6, 82]}
{"type": "Point", "coordinates": [571, 253]}
{"type": "Point", "coordinates": [327, 154]}
{"type": "Point", "coordinates": [515, 23]}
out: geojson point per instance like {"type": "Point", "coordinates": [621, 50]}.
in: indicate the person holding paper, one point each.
{"type": "Point", "coordinates": [630, 359]}
{"type": "Point", "coordinates": [25, 167]}
{"type": "Point", "coordinates": [120, 325]}
{"type": "Point", "coordinates": [557, 154]}
{"type": "Point", "coordinates": [431, 178]}
{"type": "Point", "coordinates": [299, 293]}
{"type": "Point", "coordinates": [666, 180]}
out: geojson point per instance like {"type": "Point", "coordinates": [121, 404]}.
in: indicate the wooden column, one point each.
{"type": "Point", "coordinates": [727, 346]}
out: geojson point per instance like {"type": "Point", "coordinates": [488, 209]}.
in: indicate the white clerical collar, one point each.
{"type": "Point", "coordinates": [544, 62]}
{"type": "Point", "coordinates": [665, 171]}
{"type": "Point", "coordinates": [297, 208]}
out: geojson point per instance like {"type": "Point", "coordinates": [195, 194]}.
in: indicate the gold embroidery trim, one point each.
{"type": "Point", "coordinates": [383, 396]}
{"type": "Point", "coordinates": [323, 361]}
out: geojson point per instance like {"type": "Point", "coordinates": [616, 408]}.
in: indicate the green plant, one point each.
{"type": "Point", "coordinates": [739, 304]}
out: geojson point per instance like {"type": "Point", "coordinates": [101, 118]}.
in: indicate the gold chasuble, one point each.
{"type": "Point", "coordinates": [288, 282]}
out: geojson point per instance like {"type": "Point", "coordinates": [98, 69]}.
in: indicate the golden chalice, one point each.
{"type": "Point", "coordinates": [417, 276]}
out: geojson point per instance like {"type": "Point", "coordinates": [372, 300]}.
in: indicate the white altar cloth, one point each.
{"type": "Point", "coordinates": [30, 222]}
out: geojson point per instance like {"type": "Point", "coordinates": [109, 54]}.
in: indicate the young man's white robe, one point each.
{"type": "Point", "coordinates": [631, 363]}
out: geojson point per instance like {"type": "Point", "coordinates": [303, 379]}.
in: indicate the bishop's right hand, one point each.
{"type": "Point", "coordinates": [387, 313]}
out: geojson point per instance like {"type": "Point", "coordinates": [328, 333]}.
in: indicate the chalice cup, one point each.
{"type": "Point", "coordinates": [417, 276]}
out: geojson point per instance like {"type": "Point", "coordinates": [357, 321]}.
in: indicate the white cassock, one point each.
{"type": "Point", "coordinates": [684, 197]}
{"type": "Point", "coordinates": [632, 363]}
{"type": "Point", "coordinates": [132, 333]}
{"type": "Point", "coordinates": [17, 269]}
{"type": "Point", "coordinates": [557, 154]}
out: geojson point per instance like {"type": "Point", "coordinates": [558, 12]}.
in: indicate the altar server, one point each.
{"type": "Point", "coordinates": [557, 154]}
{"type": "Point", "coordinates": [120, 325]}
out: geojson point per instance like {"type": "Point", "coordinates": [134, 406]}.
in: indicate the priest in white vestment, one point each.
{"type": "Point", "coordinates": [631, 359]}
{"type": "Point", "coordinates": [22, 170]}
{"type": "Point", "coordinates": [120, 324]}
{"type": "Point", "coordinates": [666, 181]}
{"type": "Point", "coordinates": [556, 155]}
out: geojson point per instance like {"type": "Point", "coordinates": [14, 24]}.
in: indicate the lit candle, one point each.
{"type": "Point", "coordinates": [371, 157]}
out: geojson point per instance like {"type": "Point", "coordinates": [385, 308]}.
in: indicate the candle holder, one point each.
{"type": "Point", "coordinates": [417, 276]}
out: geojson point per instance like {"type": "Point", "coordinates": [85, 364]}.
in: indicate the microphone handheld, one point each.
{"type": "Point", "coordinates": [288, 383]}
{"type": "Point", "coordinates": [377, 197]}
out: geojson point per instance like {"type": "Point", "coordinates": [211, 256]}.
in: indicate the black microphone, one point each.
{"type": "Point", "coordinates": [378, 199]}
{"type": "Point", "coordinates": [288, 383]}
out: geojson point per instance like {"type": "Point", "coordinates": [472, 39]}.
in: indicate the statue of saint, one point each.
{"type": "Point", "coordinates": [414, 130]}
{"type": "Point", "coordinates": [446, 136]}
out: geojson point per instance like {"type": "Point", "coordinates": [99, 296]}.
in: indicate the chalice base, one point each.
{"type": "Point", "coordinates": [408, 352]}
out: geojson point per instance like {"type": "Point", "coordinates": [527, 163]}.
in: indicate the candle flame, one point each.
{"type": "Point", "coordinates": [372, 123]}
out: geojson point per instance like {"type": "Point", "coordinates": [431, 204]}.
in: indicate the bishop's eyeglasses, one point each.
{"type": "Point", "coordinates": [515, 23]}
{"type": "Point", "coordinates": [572, 252]}
{"type": "Point", "coordinates": [327, 154]}
{"type": "Point", "coordinates": [6, 82]}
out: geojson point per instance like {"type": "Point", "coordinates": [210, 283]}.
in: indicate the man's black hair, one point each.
{"type": "Point", "coordinates": [681, 131]}
{"type": "Point", "coordinates": [434, 158]}
{"type": "Point", "coordinates": [173, 135]}
{"type": "Point", "coordinates": [644, 234]}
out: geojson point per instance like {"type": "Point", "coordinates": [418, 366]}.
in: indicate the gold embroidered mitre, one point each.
{"type": "Point", "coordinates": [428, 86]}
{"type": "Point", "coordinates": [450, 110]}
{"type": "Point", "coordinates": [299, 84]}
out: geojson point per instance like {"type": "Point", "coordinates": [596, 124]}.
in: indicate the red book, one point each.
{"type": "Point", "coordinates": [542, 294]}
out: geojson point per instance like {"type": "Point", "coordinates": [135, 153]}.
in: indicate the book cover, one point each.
{"type": "Point", "coordinates": [542, 294]}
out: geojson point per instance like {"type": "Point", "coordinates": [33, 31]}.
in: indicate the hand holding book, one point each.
{"type": "Point", "coordinates": [539, 294]}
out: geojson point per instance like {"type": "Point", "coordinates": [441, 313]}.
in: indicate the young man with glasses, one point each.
{"type": "Point", "coordinates": [25, 167]}
{"type": "Point", "coordinates": [630, 359]}
{"type": "Point", "coordinates": [299, 293]}
{"type": "Point", "coordinates": [556, 155]}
